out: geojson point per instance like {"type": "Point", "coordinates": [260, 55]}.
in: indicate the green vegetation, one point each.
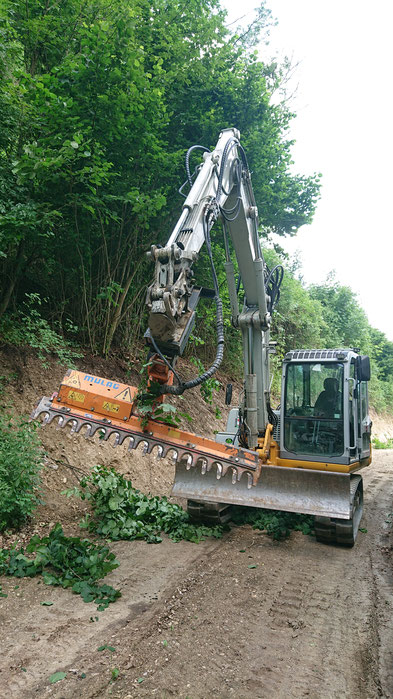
{"type": "Point", "coordinates": [27, 327]}
{"type": "Point", "coordinates": [99, 103]}
{"type": "Point", "coordinates": [68, 562]}
{"type": "Point", "coordinates": [379, 444]}
{"type": "Point", "coordinates": [20, 464]}
{"type": "Point", "coordinates": [277, 524]}
{"type": "Point", "coordinates": [122, 512]}
{"type": "Point", "coordinates": [57, 677]}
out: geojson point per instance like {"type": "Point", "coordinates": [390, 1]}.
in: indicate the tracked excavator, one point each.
{"type": "Point", "coordinates": [304, 457]}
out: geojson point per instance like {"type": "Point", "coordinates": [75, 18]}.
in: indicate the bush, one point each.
{"type": "Point", "coordinates": [19, 471]}
{"type": "Point", "coordinates": [379, 444]}
{"type": "Point", "coordinates": [27, 327]}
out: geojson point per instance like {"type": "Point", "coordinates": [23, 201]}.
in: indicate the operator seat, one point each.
{"type": "Point", "coordinates": [328, 403]}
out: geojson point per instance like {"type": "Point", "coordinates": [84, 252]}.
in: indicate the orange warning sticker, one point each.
{"type": "Point", "coordinates": [78, 397]}
{"type": "Point", "coordinates": [111, 407]}
{"type": "Point", "coordinates": [125, 395]}
{"type": "Point", "coordinates": [72, 380]}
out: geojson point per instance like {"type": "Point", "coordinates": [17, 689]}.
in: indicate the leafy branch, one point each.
{"type": "Point", "coordinates": [122, 512]}
{"type": "Point", "coordinates": [150, 408]}
{"type": "Point", "coordinates": [68, 562]}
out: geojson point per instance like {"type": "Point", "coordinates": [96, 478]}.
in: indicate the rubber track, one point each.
{"type": "Point", "coordinates": [330, 530]}
{"type": "Point", "coordinates": [210, 513]}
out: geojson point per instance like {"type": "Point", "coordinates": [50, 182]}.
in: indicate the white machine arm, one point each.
{"type": "Point", "coordinates": [221, 189]}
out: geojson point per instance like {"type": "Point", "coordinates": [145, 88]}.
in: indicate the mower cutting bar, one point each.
{"type": "Point", "coordinates": [186, 447]}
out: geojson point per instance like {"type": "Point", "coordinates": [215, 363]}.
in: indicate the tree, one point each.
{"type": "Point", "coordinates": [101, 100]}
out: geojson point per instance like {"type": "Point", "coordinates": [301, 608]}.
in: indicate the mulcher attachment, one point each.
{"type": "Point", "coordinates": [90, 405]}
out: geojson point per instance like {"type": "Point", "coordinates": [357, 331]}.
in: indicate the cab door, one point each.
{"type": "Point", "coordinates": [359, 419]}
{"type": "Point", "coordinates": [364, 421]}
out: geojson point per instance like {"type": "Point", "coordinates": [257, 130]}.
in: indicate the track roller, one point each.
{"type": "Point", "coordinates": [330, 530]}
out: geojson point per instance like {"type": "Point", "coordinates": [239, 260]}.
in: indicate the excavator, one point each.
{"type": "Point", "coordinates": [304, 457]}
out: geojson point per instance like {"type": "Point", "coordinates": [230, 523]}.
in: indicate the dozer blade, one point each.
{"type": "Point", "coordinates": [299, 490]}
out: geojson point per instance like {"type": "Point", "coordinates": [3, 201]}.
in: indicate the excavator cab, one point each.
{"type": "Point", "coordinates": [324, 412]}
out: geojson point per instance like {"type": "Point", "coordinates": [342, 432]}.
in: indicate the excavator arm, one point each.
{"type": "Point", "coordinates": [223, 190]}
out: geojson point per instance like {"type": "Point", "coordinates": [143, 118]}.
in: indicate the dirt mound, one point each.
{"type": "Point", "coordinates": [382, 426]}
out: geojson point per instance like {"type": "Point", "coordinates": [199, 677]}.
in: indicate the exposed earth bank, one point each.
{"type": "Point", "coordinates": [242, 616]}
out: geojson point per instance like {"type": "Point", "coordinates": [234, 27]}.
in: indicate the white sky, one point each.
{"type": "Point", "coordinates": [343, 129]}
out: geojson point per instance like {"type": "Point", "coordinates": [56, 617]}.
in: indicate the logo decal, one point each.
{"type": "Point", "coordinates": [111, 407]}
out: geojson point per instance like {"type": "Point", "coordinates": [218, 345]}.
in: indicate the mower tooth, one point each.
{"type": "Point", "coordinates": [209, 464]}
{"type": "Point", "coordinates": [88, 431]}
{"type": "Point", "coordinates": [146, 448]}
{"type": "Point", "coordinates": [93, 429]}
{"type": "Point", "coordinates": [175, 456]}
{"type": "Point", "coordinates": [204, 467]}
{"type": "Point", "coordinates": [46, 419]}
{"type": "Point", "coordinates": [219, 471]}
{"type": "Point", "coordinates": [151, 446]}
{"type": "Point", "coordinates": [139, 440]}
{"type": "Point", "coordinates": [110, 433]}
{"type": "Point", "coordinates": [61, 422]}
{"type": "Point", "coordinates": [234, 476]}
{"type": "Point", "coordinates": [165, 450]}
{"type": "Point", "coordinates": [189, 461]}
{"type": "Point", "coordinates": [75, 426]}
{"type": "Point", "coordinates": [160, 451]}
{"type": "Point", "coordinates": [131, 444]}
{"type": "Point", "coordinates": [116, 440]}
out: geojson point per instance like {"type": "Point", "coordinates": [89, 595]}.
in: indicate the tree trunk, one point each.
{"type": "Point", "coordinates": [118, 310]}
{"type": "Point", "coordinates": [15, 274]}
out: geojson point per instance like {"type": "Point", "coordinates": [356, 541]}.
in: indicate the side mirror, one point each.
{"type": "Point", "coordinates": [363, 368]}
{"type": "Point", "coordinates": [228, 394]}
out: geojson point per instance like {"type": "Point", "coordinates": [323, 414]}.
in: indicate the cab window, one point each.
{"type": "Point", "coordinates": [313, 413]}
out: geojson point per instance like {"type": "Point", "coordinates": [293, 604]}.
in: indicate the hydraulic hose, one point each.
{"type": "Point", "coordinates": [180, 388]}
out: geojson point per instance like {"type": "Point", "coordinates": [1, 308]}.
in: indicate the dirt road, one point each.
{"type": "Point", "coordinates": [242, 616]}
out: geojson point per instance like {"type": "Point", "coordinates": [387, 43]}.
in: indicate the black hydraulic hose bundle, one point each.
{"type": "Point", "coordinates": [188, 171]}
{"type": "Point", "coordinates": [273, 279]}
